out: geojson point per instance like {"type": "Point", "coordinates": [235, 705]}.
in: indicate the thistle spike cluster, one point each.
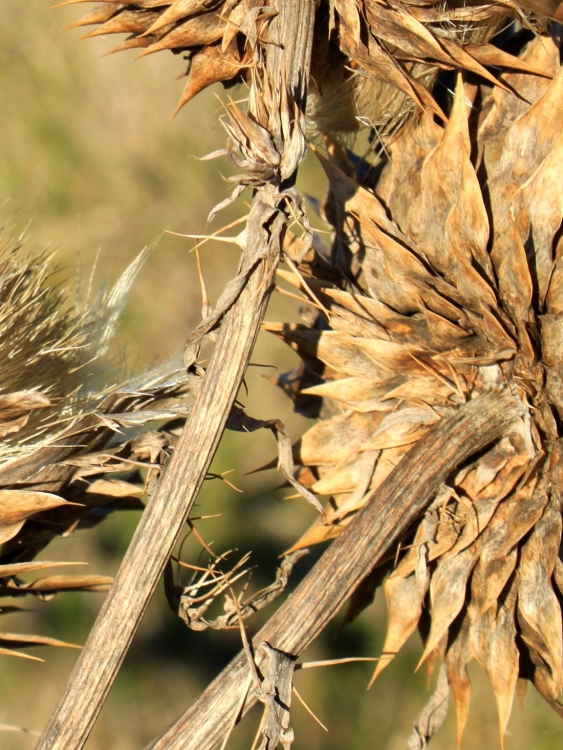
{"type": "Point", "coordinates": [451, 286]}
{"type": "Point", "coordinates": [445, 281]}
{"type": "Point", "coordinates": [373, 62]}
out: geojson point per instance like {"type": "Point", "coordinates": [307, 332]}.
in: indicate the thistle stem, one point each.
{"type": "Point", "coordinates": [166, 513]}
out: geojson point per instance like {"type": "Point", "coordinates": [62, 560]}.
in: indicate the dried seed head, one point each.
{"type": "Point", "coordinates": [450, 287]}
{"type": "Point", "coordinates": [61, 415]}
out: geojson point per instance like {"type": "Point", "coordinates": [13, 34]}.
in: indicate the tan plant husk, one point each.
{"type": "Point", "coordinates": [450, 287]}
{"type": "Point", "coordinates": [447, 287]}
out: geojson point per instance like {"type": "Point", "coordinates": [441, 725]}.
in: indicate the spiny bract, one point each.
{"type": "Point", "coordinates": [372, 62]}
{"type": "Point", "coordinates": [445, 281]}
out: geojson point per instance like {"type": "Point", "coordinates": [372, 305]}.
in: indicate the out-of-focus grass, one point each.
{"type": "Point", "coordinates": [89, 154]}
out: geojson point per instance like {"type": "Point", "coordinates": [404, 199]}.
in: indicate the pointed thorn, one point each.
{"type": "Point", "coordinates": [156, 26]}
{"type": "Point", "coordinates": [90, 35]}
{"type": "Point", "coordinates": [177, 110]}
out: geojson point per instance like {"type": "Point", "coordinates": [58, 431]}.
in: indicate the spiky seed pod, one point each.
{"type": "Point", "coordinates": [373, 62]}
{"type": "Point", "coordinates": [451, 286]}
{"type": "Point", "coordinates": [61, 423]}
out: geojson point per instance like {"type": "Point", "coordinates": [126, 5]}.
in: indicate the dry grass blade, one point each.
{"type": "Point", "coordinates": [14, 728]}
{"type": "Point", "coordinates": [8, 571]}
{"type": "Point", "coordinates": [13, 640]}
{"type": "Point", "coordinates": [309, 709]}
{"type": "Point", "coordinates": [11, 652]}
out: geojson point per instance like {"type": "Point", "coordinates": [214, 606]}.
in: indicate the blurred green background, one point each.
{"type": "Point", "coordinates": [92, 162]}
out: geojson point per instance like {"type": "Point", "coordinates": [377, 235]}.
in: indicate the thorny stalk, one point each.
{"type": "Point", "coordinates": [276, 121]}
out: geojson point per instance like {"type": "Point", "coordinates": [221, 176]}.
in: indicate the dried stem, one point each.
{"type": "Point", "coordinates": [350, 558]}
{"type": "Point", "coordinates": [167, 511]}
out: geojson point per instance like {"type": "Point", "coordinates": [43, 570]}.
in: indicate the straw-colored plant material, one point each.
{"type": "Point", "coordinates": [267, 144]}
{"type": "Point", "coordinates": [372, 62]}
{"type": "Point", "coordinates": [62, 426]}
{"type": "Point", "coordinates": [445, 285]}
{"type": "Point", "coordinates": [450, 286]}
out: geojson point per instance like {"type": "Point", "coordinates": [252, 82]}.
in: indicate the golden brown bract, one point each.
{"type": "Point", "coordinates": [62, 426]}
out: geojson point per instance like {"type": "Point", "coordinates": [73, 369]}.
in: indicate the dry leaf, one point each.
{"type": "Point", "coordinates": [13, 640]}
{"type": "Point", "coordinates": [16, 506]}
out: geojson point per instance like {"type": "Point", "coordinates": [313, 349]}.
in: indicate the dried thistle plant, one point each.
{"type": "Point", "coordinates": [372, 63]}
{"type": "Point", "coordinates": [61, 423]}
{"type": "Point", "coordinates": [450, 287]}
{"type": "Point", "coordinates": [441, 289]}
